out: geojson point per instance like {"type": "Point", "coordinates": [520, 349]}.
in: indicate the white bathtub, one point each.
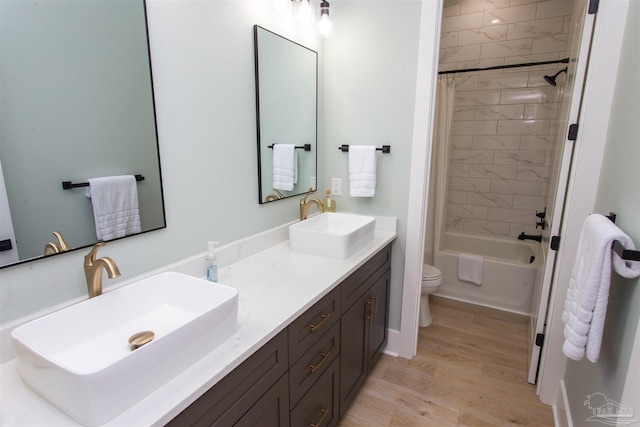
{"type": "Point", "coordinates": [509, 275]}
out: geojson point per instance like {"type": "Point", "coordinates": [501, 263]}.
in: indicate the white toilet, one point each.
{"type": "Point", "coordinates": [431, 280]}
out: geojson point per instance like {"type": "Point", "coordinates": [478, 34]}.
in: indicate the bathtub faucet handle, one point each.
{"type": "Point", "coordinates": [542, 215]}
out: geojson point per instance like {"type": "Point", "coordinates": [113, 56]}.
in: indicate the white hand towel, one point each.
{"type": "Point", "coordinates": [362, 170]}
{"type": "Point", "coordinates": [585, 307]}
{"type": "Point", "coordinates": [115, 206]}
{"type": "Point", "coordinates": [285, 166]}
{"type": "Point", "coordinates": [470, 268]}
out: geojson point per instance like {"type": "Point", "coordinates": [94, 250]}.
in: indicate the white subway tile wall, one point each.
{"type": "Point", "coordinates": [505, 121]}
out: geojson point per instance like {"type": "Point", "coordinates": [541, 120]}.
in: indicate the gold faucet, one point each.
{"type": "Point", "coordinates": [55, 248]}
{"type": "Point", "coordinates": [272, 197]}
{"type": "Point", "coordinates": [93, 270]}
{"type": "Point", "coordinates": [304, 205]}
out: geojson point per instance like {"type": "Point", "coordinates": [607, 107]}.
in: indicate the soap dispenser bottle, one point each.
{"type": "Point", "coordinates": [328, 204]}
{"type": "Point", "coordinates": [211, 262]}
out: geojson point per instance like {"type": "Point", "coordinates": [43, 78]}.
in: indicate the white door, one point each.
{"type": "Point", "coordinates": [570, 99]}
{"type": "Point", "coordinates": [8, 256]}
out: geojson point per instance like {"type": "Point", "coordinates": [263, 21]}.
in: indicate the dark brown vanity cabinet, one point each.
{"type": "Point", "coordinates": [320, 405]}
{"type": "Point", "coordinates": [272, 409]}
{"type": "Point", "coordinates": [314, 355]}
{"type": "Point", "coordinates": [255, 393]}
{"type": "Point", "coordinates": [363, 329]}
{"type": "Point", "coordinates": [309, 374]}
{"type": "Point", "coordinates": [378, 319]}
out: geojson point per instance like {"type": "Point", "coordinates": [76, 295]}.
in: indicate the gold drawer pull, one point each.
{"type": "Point", "coordinates": [324, 358]}
{"type": "Point", "coordinates": [324, 415]}
{"type": "Point", "coordinates": [324, 319]}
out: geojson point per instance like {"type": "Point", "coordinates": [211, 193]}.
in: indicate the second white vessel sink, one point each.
{"type": "Point", "coordinates": [80, 359]}
{"type": "Point", "coordinates": [330, 234]}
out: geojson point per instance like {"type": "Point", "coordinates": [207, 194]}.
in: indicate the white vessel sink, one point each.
{"type": "Point", "coordinates": [80, 360]}
{"type": "Point", "coordinates": [335, 235]}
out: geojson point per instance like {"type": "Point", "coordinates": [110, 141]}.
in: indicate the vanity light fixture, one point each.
{"type": "Point", "coordinates": [305, 16]}
{"type": "Point", "coordinates": [305, 13]}
{"type": "Point", "coordinates": [324, 25]}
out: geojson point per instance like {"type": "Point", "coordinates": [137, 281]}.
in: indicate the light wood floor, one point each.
{"type": "Point", "coordinates": [470, 370]}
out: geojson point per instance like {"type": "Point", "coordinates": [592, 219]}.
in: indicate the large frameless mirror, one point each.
{"type": "Point", "coordinates": [77, 103]}
{"type": "Point", "coordinates": [286, 105]}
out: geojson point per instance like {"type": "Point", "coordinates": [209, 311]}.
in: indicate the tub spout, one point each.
{"type": "Point", "coordinates": [523, 236]}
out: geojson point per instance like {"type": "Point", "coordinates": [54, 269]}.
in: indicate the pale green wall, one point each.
{"type": "Point", "coordinates": [203, 65]}
{"type": "Point", "coordinates": [202, 53]}
{"type": "Point", "coordinates": [618, 192]}
{"type": "Point", "coordinates": [53, 87]}
{"type": "Point", "coordinates": [370, 85]}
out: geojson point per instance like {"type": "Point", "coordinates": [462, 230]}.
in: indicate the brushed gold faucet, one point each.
{"type": "Point", "coordinates": [55, 248]}
{"type": "Point", "coordinates": [93, 270]}
{"type": "Point", "coordinates": [272, 197]}
{"type": "Point", "coordinates": [304, 205]}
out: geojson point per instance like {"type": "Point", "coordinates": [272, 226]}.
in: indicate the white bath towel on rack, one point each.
{"type": "Point", "coordinates": [115, 206]}
{"type": "Point", "coordinates": [362, 170]}
{"type": "Point", "coordinates": [585, 307]}
{"type": "Point", "coordinates": [470, 268]}
{"type": "Point", "coordinates": [285, 166]}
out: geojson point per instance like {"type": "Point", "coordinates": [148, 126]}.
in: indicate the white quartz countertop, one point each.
{"type": "Point", "coordinates": [275, 286]}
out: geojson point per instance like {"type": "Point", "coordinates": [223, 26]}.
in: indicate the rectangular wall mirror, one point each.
{"type": "Point", "coordinates": [77, 103]}
{"type": "Point", "coordinates": [286, 109]}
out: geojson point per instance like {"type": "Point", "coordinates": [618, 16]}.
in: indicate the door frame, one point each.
{"type": "Point", "coordinates": [428, 54]}
{"type": "Point", "coordinates": [589, 148]}
{"type": "Point", "coordinates": [577, 68]}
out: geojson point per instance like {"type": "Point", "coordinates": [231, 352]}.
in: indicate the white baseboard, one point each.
{"type": "Point", "coordinates": [393, 343]}
{"type": "Point", "coordinates": [561, 412]}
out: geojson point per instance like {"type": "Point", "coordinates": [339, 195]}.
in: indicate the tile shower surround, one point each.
{"type": "Point", "coordinates": [505, 122]}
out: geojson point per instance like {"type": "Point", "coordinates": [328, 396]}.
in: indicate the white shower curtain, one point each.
{"type": "Point", "coordinates": [437, 199]}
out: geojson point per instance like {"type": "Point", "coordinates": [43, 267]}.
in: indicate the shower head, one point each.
{"type": "Point", "coordinates": [552, 79]}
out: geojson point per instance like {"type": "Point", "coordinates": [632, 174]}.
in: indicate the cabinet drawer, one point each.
{"type": "Point", "coordinates": [271, 410]}
{"type": "Point", "coordinates": [354, 286]}
{"type": "Point", "coordinates": [313, 363]}
{"type": "Point", "coordinates": [319, 407]}
{"type": "Point", "coordinates": [312, 324]}
{"type": "Point", "coordinates": [227, 401]}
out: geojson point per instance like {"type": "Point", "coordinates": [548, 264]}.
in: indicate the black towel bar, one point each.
{"type": "Point", "coordinates": [306, 147]}
{"type": "Point", "coordinates": [385, 148]}
{"type": "Point", "coordinates": [618, 248]}
{"type": "Point", "coordinates": [625, 253]}
{"type": "Point", "coordinates": [68, 185]}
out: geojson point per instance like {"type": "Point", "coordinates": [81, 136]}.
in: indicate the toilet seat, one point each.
{"type": "Point", "coordinates": [430, 273]}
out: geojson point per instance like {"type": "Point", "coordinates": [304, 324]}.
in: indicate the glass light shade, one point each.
{"type": "Point", "coordinates": [324, 26]}
{"type": "Point", "coordinates": [305, 13]}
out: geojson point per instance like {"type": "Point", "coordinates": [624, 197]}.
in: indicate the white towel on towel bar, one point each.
{"type": "Point", "coordinates": [285, 166]}
{"type": "Point", "coordinates": [470, 268]}
{"type": "Point", "coordinates": [362, 170]}
{"type": "Point", "coordinates": [115, 206]}
{"type": "Point", "coordinates": [585, 307]}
